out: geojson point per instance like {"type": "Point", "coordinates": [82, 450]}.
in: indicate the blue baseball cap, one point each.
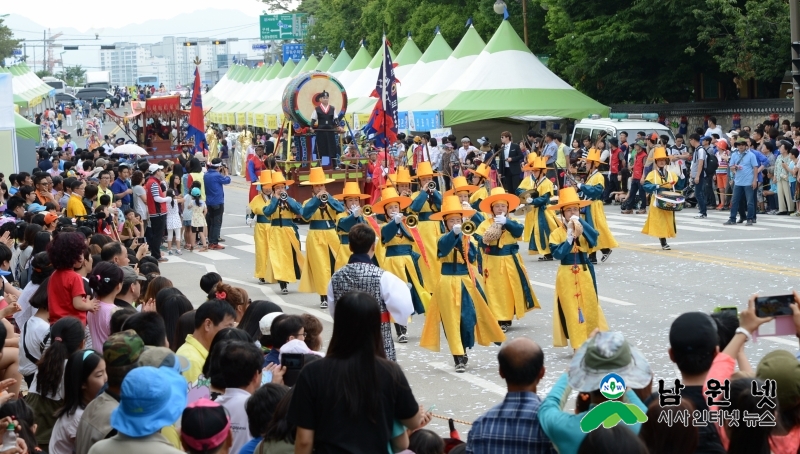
{"type": "Point", "coordinates": [36, 208]}
{"type": "Point", "coordinates": [150, 399]}
{"type": "Point", "coordinates": [195, 192]}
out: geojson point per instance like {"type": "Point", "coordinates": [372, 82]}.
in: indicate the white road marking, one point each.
{"type": "Point", "coordinates": [473, 379]}
{"type": "Point", "coordinates": [602, 298]}
{"type": "Point", "coordinates": [726, 241]}
{"type": "Point", "coordinates": [243, 237]}
{"type": "Point", "coordinates": [251, 248]}
{"type": "Point", "coordinates": [216, 255]}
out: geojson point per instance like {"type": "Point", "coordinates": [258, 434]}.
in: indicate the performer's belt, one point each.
{"type": "Point", "coordinates": [510, 249]}
{"type": "Point", "coordinates": [575, 259]}
{"type": "Point", "coordinates": [282, 223]}
{"type": "Point", "coordinates": [398, 250]}
{"type": "Point", "coordinates": [386, 317]}
{"type": "Point", "coordinates": [426, 216]}
{"type": "Point", "coordinates": [321, 225]}
{"type": "Point", "coordinates": [454, 269]}
{"type": "Point", "coordinates": [261, 219]}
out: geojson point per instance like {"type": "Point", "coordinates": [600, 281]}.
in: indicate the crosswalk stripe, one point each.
{"type": "Point", "coordinates": [251, 248]}
{"type": "Point", "coordinates": [243, 237]}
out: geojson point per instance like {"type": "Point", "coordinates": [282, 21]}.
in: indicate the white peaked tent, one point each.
{"type": "Point", "coordinates": [405, 61]}
{"type": "Point", "coordinates": [430, 62]}
{"type": "Point", "coordinates": [360, 88]}
{"type": "Point", "coordinates": [355, 68]}
{"type": "Point", "coordinates": [524, 89]}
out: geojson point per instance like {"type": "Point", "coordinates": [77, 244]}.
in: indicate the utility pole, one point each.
{"type": "Point", "coordinates": [794, 25]}
{"type": "Point", "coordinates": [525, 20]}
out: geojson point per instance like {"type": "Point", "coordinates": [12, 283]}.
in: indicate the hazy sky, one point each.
{"type": "Point", "coordinates": [85, 14]}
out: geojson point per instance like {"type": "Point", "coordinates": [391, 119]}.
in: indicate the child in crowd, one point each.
{"type": "Point", "coordinates": [106, 281]}
{"type": "Point", "coordinates": [174, 222]}
{"type": "Point", "coordinates": [198, 209]}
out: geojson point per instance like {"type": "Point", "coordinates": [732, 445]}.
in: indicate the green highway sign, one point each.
{"type": "Point", "coordinates": [284, 26]}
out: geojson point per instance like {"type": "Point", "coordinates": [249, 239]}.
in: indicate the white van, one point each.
{"type": "Point", "coordinates": [630, 123]}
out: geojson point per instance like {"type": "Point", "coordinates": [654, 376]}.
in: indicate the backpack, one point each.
{"type": "Point", "coordinates": [711, 164]}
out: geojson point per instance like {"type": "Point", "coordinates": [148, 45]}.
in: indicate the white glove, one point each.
{"type": "Point", "coordinates": [398, 218]}
{"type": "Point", "coordinates": [579, 185]}
{"type": "Point", "coordinates": [385, 171]}
{"type": "Point", "coordinates": [575, 218]}
{"type": "Point", "coordinates": [529, 200]}
{"type": "Point", "coordinates": [466, 205]}
{"type": "Point", "coordinates": [356, 211]}
{"type": "Point", "coordinates": [500, 219]}
{"type": "Point", "coordinates": [457, 229]}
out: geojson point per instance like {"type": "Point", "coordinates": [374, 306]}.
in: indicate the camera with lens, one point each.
{"type": "Point", "coordinates": [90, 221]}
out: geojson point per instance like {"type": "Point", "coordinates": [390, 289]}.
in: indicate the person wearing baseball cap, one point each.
{"type": "Point", "coordinates": [205, 428]}
{"type": "Point", "coordinates": [131, 288]}
{"type": "Point", "coordinates": [121, 351]}
{"type": "Point", "coordinates": [157, 210]}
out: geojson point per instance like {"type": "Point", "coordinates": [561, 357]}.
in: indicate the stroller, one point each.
{"type": "Point", "coordinates": [688, 194]}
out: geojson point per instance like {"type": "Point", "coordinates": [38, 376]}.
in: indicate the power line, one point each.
{"type": "Point", "coordinates": [233, 28]}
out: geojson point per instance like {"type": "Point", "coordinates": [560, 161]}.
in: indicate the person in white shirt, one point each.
{"type": "Point", "coordinates": [713, 128]}
{"type": "Point", "coordinates": [466, 148]}
{"type": "Point", "coordinates": [435, 154]}
{"type": "Point", "coordinates": [240, 367]}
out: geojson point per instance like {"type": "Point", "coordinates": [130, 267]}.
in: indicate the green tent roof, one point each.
{"type": "Point", "coordinates": [378, 58]}
{"type": "Point", "coordinates": [310, 64]}
{"type": "Point", "coordinates": [325, 62]}
{"type": "Point", "coordinates": [438, 50]}
{"type": "Point", "coordinates": [409, 55]}
{"type": "Point", "coordinates": [470, 44]}
{"type": "Point", "coordinates": [299, 67]}
{"type": "Point", "coordinates": [341, 62]}
{"type": "Point", "coordinates": [360, 61]}
{"type": "Point", "coordinates": [25, 128]}
{"type": "Point", "coordinates": [287, 70]}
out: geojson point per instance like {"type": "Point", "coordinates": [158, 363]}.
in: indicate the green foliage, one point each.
{"type": "Point", "coordinates": [74, 76]}
{"type": "Point", "coordinates": [750, 42]}
{"type": "Point", "coordinates": [7, 41]}
{"type": "Point", "coordinates": [43, 73]}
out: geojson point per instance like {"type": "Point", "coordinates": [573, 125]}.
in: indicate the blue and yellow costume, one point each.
{"type": "Point", "coordinates": [480, 192]}
{"type": "Point", "coordinates": [595, 214]}
{"type": "Point", "coordinates": [660, 223]}
{"type": "Point", "coordinates": [425, 204]}
{"type": "Point", "coordinates": [346, 221]}
{"type": "Point", "coordinates": [576, 310]}
{"type": "Point", "coordinates": [458, 303]}
{"type": "Point", "coordinates": [539, 221]}
{"type": "Point", "coordinates": [263, 270]}
{"type": "Point", "coordinates": [322, 242]}
{"type": "Point", "coordinates": [508, 289]}
{"type": "Point", "coordinates": [284, 242]}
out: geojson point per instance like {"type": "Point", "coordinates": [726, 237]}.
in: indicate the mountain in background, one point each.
{"type": "Point", "coordinates": [208, 23]}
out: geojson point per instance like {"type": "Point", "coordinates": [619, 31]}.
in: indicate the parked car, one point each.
{"type": "Point", "coordinates": [87, 94]}
{"type": "Point", "coordinates": [66, 98]}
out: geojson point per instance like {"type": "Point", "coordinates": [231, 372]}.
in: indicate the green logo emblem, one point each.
{"type": "Point", "coordinates": [612, 412]}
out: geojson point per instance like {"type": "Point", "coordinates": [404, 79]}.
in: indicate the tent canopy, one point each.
{"type": "Point", "coordinates": [25, 128]}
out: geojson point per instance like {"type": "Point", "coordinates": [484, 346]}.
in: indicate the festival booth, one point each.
{"type": "Point", "coordinates": [8, 137]}
{"type": "Point", "coordinates": [31, 94]}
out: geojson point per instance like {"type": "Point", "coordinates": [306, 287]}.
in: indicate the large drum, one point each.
{"type": "Point", "coordinates": [300, 93]}
{"type": "Point", "coordinates": [670, 201]}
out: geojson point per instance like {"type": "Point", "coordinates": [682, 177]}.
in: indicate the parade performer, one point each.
{"type": "Point", "coordinates": [539, 221]}
{"type": "Point", "coordinates": [508, 289]}
{"type": "Point", "coordinates": [577, 310]}
{"type": "Point", "coordinates": [263, 269]}
{"type": "Point", "coordinates": [323, 124]}
{"type": "Point", "coordinates": [322, 243]}
{"type": "Point", "coordinates": [595, 215]}
{"type": "Point", "coordinates": [465, 191]}
{"type": "Point", "coordinates": [361, 274]}
{"type": "Point", "coordinates": [211, 140]}
{"type": "Point", "coordinates": [400, 259]}
{"type": "Point", "coordinates": [458, 303]}
{"type": "Point", "coordinates": [660, 223]}
{"type": "Point", "coordinates": [480, 179]}
{"type": "Point", "coordinates": [255, 164]}
{"type": "Point", "coordinates": [284, 242]}
{"type": "Point", "coordinates": [369, 182]}
{"type": "Point", "coordinates": [245, 141]}
{"type": "Point", "coordinates": [426, 202]}
{"type": "Point", "coordinates": [385, 167]}
{"type": "Point", "coordinates": [352, 197]}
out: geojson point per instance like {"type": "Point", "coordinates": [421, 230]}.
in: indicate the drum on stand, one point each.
{"type": "Point", "coordinates": [299, 96]}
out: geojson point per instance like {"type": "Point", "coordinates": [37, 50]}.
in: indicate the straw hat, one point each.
{"type": "Point", "coordinates": [403, 176]}
{"type": "Point", "coordinates": [264, 178]}
{"type": "Point", "coordinates": [660, 153]}
{"type": "Point", "coordinates": [594, 155]}
{"type": "Point", "coordinates": [460, 184]}
{"type": "Point", "coordinates": [499, 195]}
{"type": "Point", "coordinates": [482, 170]}
{"type": "Point", "coordinates": [451, 205]}
{"type": "Point", "coordinates": [424, 169]}
{"type": "Point", "coordinates": [316, 176]}
{"type": "Point", "coordinates": [389, 195]}
{"type": "Point", "coordinates": [351, 189]}
{"type": "Point", "coordinates": [535, 163]}
{"type": "Point", "coordinates": [569, 196]}
{"type": "Point", "coordinates": [277, 178]}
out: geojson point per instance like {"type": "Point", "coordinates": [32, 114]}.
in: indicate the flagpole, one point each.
{"type": "Point", "coordinates": [383, 103]}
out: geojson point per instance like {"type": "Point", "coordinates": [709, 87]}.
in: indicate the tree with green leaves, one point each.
{"type": "Point", "coordinates": [7, 42]}
{"type": "Point", "coordinates": [43, 73]}
{"type": "Point", "coordinates": [74, 76]}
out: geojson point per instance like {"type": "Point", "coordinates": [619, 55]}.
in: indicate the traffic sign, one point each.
{"type": "Point", "coordinates": [17, 51]}
{"type": "Point", "coordinates": [284, 26]}
{"type": "Point", "coordinates": [293, 52]}
{"type": "Point", "coordinates": [260, 46]}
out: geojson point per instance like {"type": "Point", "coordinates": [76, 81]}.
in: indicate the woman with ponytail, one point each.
{"type": "Point", "coordinates": [105, 279]}
{"type": "Point", "coordinates": [46, 394]}
{"type": "Point", "coordinates": [84, 377]}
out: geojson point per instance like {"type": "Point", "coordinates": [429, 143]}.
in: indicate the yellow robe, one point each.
{"type": "Point", "coordinates": [574, 291]}
{"type": "Point", "coordinates": [508, 289]}
{"type": "Point", "coordinates": [533, 227]}
{"type": "Point", "coordinates": [322, 248]}
{"type": "Point", "coordinates": [598, 215]}
{"type": "Point", "coordinates": [263, 268]}
{"type": "Point", "coordinates": [478, 196]}
{"type": "Point", "coordinates": [660, 223]}
{"type": "Point", "coordinates": [284, 246]}
{"type": "Point", "coordinates": [458, 305]}
{"type": "Point", "coordinates": [402, 264]}
{"type": "Point", "coordinates": [429, 231]}
{"type": "Point", "coordinates": [344, 252]}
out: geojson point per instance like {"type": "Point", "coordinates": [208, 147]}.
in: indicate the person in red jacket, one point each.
{"type": "Point", "coordinates": [637, 188]}
{"type": "Point", "coordinates": [255, 164]}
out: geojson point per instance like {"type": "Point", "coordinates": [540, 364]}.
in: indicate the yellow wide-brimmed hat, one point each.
{"type": "Point", "coordinates": [402, 176]}
{"type": "Point", "coordinates": [535, 163]}
{"type": "Point", "coordinates": [460, 184]}
{"type": "Point", "coordinates": [660, 153]}
{"type": "Point", "coordinates": [482, 170]}
{"type": "Point", "coordinates": [277, 178]}
{"type": "Point", "coordinates": [499, 195]}
{"type": "Point", "coordinates": [390, 195]}
{"type": "Point", "coordinates": [594, 155]}
{"type": "Point", "coordinates": [569, 196]}
{"type": "Point", "coordinates": [316, 176]}
{"type": "Point", "coordinates": [424, 169]}
{"type": "Point", "coordinates": [351, 189]}
{"type": "Point", "coordinates": [451, 205]}
{"type": "Point", "coordinates": [264, 178]}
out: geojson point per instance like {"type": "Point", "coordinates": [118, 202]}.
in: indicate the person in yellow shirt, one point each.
{"type": "Point", "coordinates": [209, 319]}
{"type": "Point", "coordinates": [75, 206]}
{"type": "Point", "coordinates": [660, 223]}
{"type": "Point", "coordinates": [263, 269]}
{"type": "Point", "coordinates": [595, 214]}
{"type": "Point", "coordinates": [539, 221]}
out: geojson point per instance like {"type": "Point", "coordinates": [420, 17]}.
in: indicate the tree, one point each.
{"type": "Point", "coordinates": [7, 41]}
{"type": "Point", "coordinates": [73, 75]}
{"type": "Point", "coordinates": [748, 39]}
{"type": "Point", "coordinates": [43, 73]}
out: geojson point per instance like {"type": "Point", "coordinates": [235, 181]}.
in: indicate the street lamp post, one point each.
{"type": "Point", "coordinates": [500, 7]}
